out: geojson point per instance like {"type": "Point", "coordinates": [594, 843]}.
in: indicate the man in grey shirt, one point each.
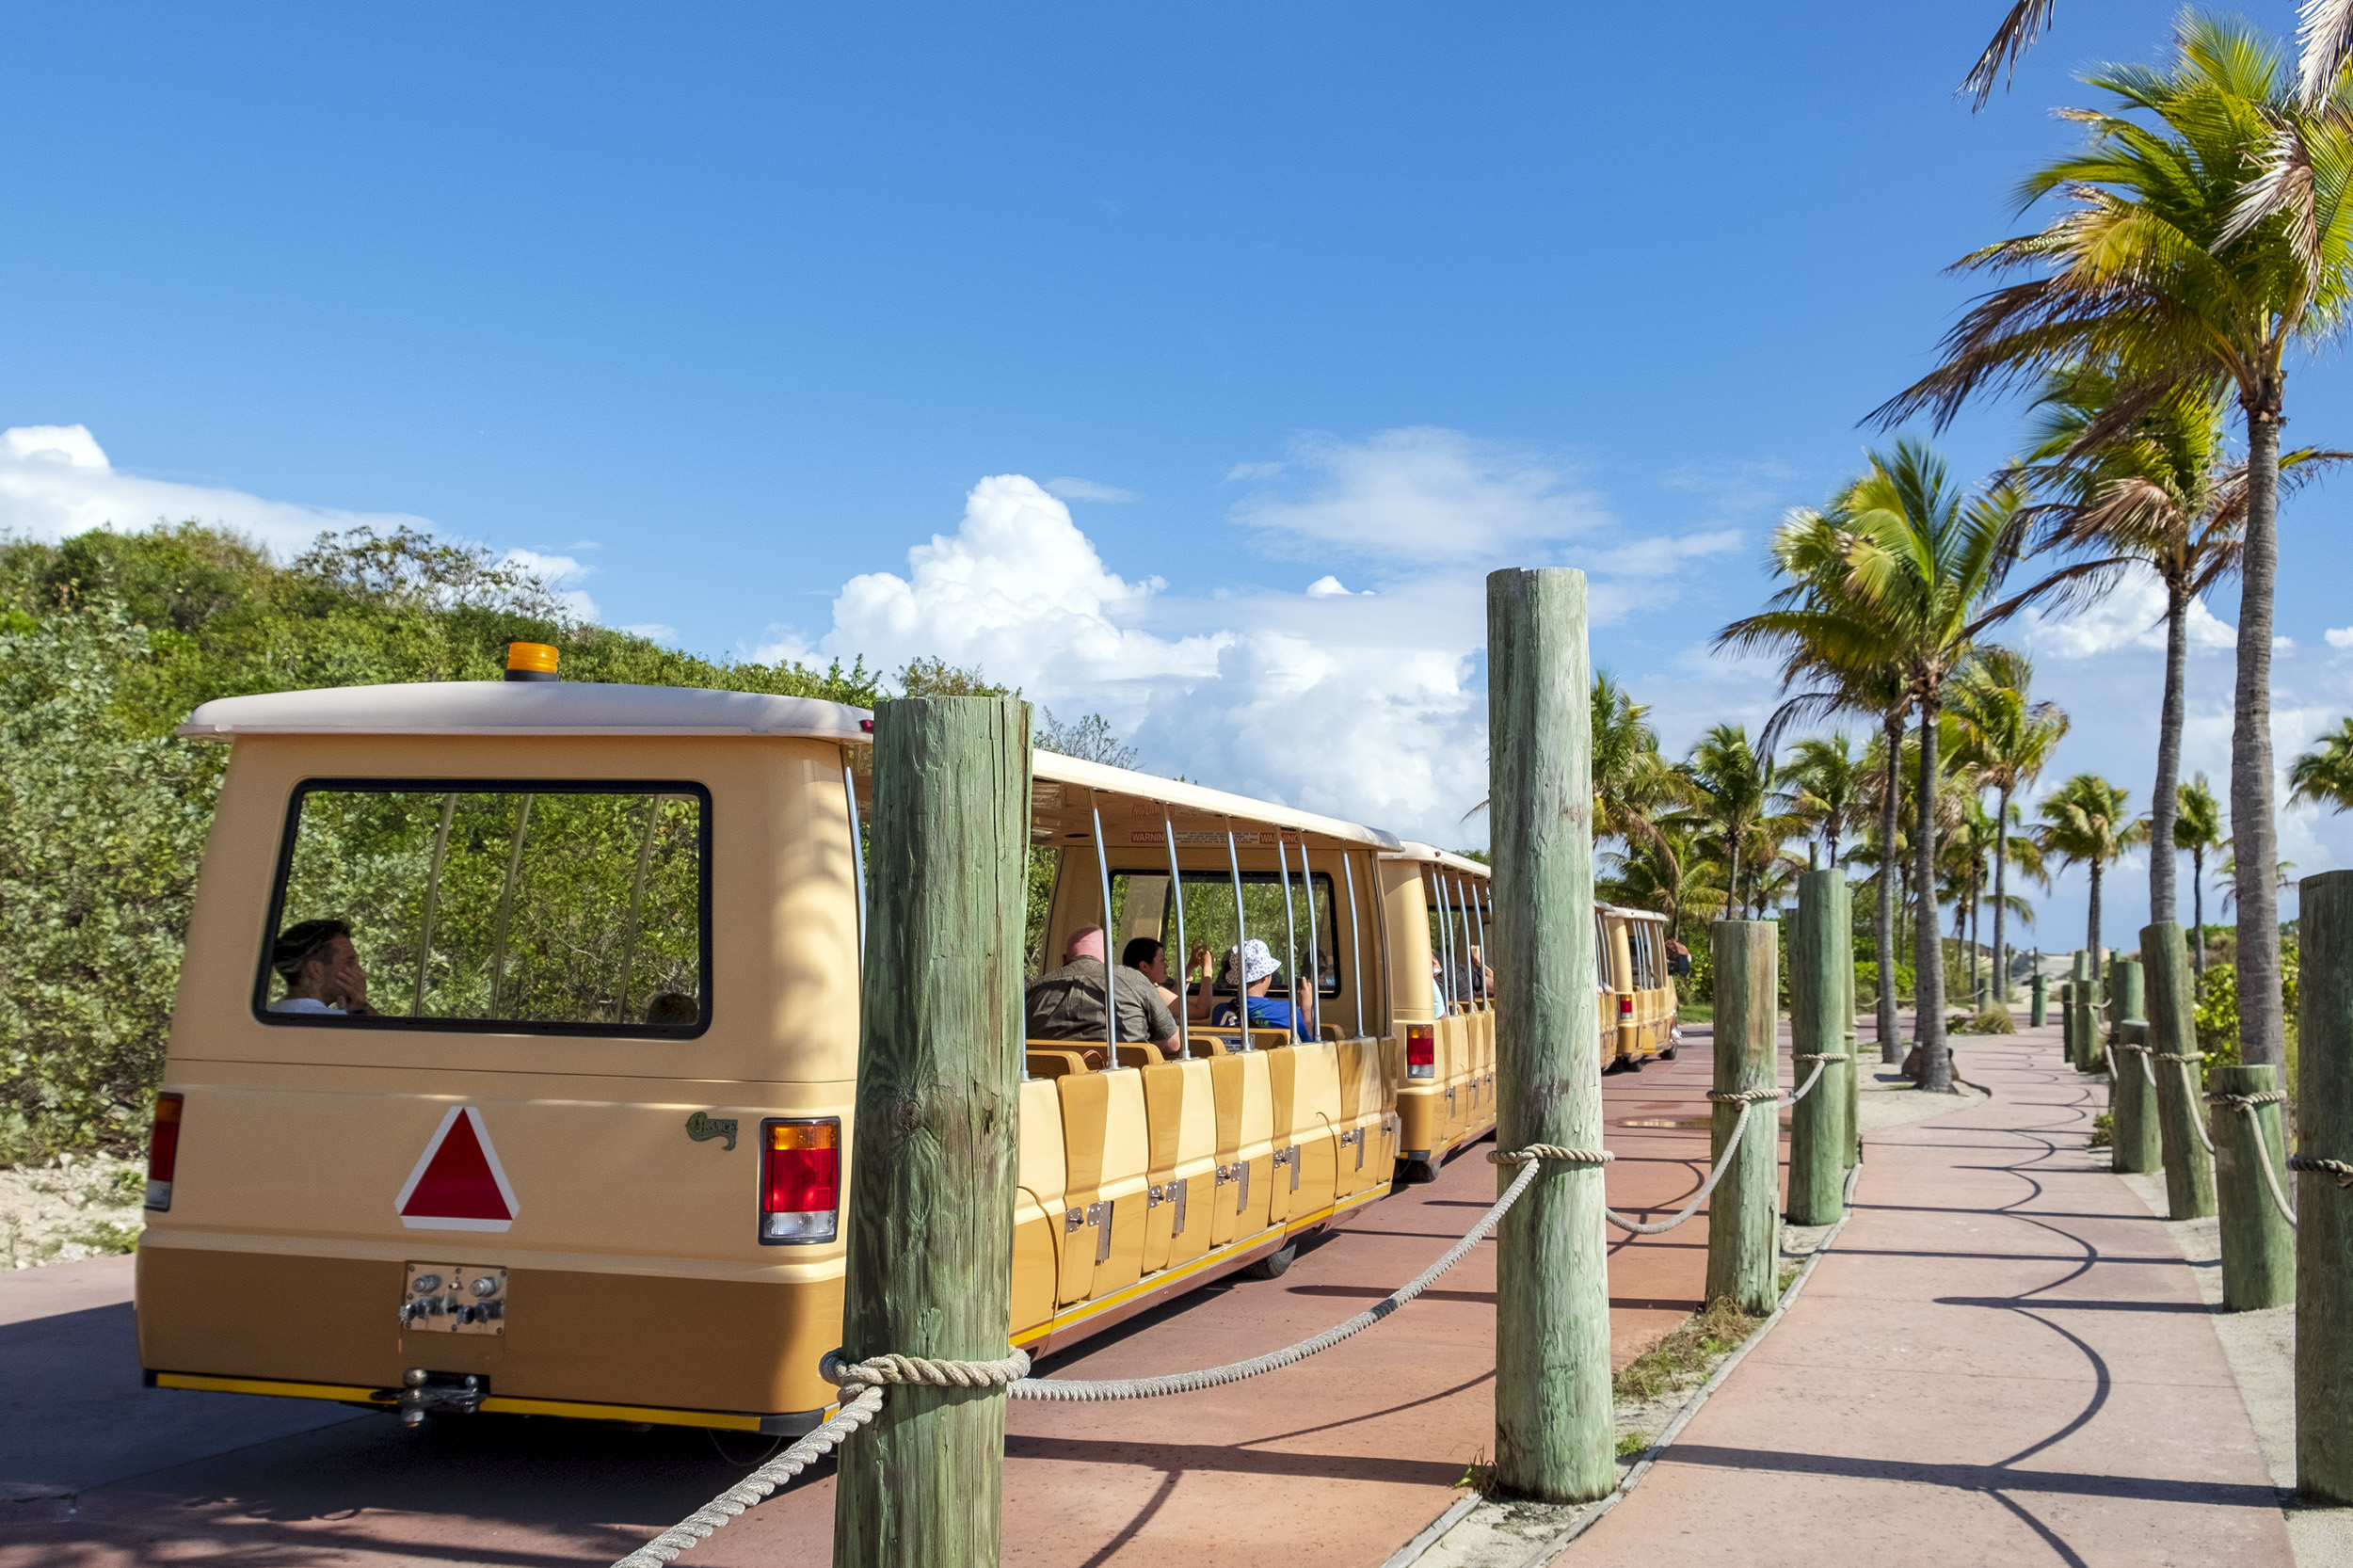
{"type": "Point", "coordinates": [1068, 1003]}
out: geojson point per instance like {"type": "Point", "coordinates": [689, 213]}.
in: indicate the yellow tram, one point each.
{"type": "Point", "coordinates": [514, 1056]}
{"type": "Point", "coordinates": [1637, 994]}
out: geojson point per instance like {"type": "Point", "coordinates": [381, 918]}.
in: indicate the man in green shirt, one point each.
{"type": "Point", "coordinates": [1068, 1003]}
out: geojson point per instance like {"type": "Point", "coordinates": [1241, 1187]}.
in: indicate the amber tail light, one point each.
{"type": "Point", "coordinates": [1421, 1051]}
{"type": "Point", "coordinates": [163, 1151]}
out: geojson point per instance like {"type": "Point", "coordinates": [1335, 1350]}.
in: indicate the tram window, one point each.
{"type": "Point", "coordinates": [561, 909]}
{"type": "Point", "coordinates": [1141, 907]}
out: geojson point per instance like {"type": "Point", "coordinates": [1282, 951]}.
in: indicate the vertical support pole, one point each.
{"type": "Point", "coordinates": [2134, 1144]}
{"type": "Point", "coordinates": [2258, 1243]}
{"type": "Point", "coordinates": [2040, 1015]}
{"type": "Point", "coordinates": [1742, 1231]}
{"type": "Point", "coordinates": [934, 1141]}
{"type": "Point", "coordinates": [2128, 1000]}
{"type": "Point", "coordinates": [2067, 1020]}
{"type": "Point", "coordinates": [2324, 1211]}
{"type": "Point", "coordinates": [1818, 1133]}
{"type": "Point", "coordinates": [1555, 1431]}
{"type": "Point", "coordinates": [1844, 921]}
{"type": "Point", "coordinates": [2172, 1038]}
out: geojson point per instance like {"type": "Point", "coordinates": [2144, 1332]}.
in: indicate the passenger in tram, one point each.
{"type": "Point", "coordinates": [1148, 957]}
{"type": "Point", "coordinates": [1258, 972]}
{"type": "Point", "coordinates": [1068, 1003]}
{"type": "Point", "coordinates": [1200, 984]}
{"type": "Point", "coordinates": [1476, 979]}
{"type": "Point", "coordinates": [321, 970]}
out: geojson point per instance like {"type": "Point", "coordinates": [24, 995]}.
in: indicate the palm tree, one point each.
{"type": "Point", "coordinates": [1665, 872]}
{"type": "Point", "coordinates": [2158, 494]}
{"type": "Point", "coordinates": [2189, 255]}
{"type": "Point", "coordinates": [2086, 823]}
{"type": "Point", "coordinates": [1632, 782]}
{"type": "Point", "coordinates": [2327, 43]}
{"type": "Point", "coordinates": [2197, 827]}
{"type": "Point", "coordinates": [1899, 574]}
{"type": "Point", "coordinates": [2008, 738]}
{"type": "Point", "coordinates": [2324, 776]}
{"type": "Point", "coordinates": [1826, 780]}
{"type": "Point", "coordinates": [1735, 788]}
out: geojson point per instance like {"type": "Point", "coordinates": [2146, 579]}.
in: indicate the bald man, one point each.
{"type": "Point", "coordinates": [1068, 1003]}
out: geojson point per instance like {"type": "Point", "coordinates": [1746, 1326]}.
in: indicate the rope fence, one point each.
{"type": "Point", "coordinates": [2186, 1061]}
{"type": "Point", "coordinates": [2246, 1106]}
{"type": "Point", "coordinates": [864, 1383]}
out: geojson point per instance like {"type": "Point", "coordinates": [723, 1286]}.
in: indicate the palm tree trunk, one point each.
{"type": "Point", "coordinates": [2165, 801]}
{"type": "Point", "coordinates": [2001, 879]}
{"type": "Point", "coordinates": [1927, 985]}
{"type": "Point", "coordinates": [2262, 1035]}
{"type": "Point", "coordinates": [2092, 937]}
{"type": "Point", "coordinates": [1884, 927]}
{"type": "Point", "coordinates": [2198, 912]}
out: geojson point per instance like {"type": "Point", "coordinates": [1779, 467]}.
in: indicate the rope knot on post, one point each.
{"type": "Point", "coordinates": [1742, 1097]}
{"type": "Point", "coordinates": [2338, 1168]}
{"type": "Point", "coordinates": [1820, 1056]}
{"type": "Point", "coordinates": [1535, 1152]}
{"type": "Point", "coordinates": [2246, 1104]}
{"type": "Point", "coordinates": [922, 1371]}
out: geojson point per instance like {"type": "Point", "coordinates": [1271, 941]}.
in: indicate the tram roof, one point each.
{"type": "Point", "coordinates": [1410, 850]}
{"type": "Point", "coordinates": [590, 707]}
{"type": "Point", "coordinates": [1052, 810]}
{"type": "Point", "coordinates": [523, 708]}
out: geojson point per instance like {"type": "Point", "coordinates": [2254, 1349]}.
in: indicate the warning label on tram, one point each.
{"type": "Point", "coordinates": [458, 1183]}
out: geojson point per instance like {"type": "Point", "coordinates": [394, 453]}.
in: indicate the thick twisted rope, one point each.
{"type": "Point", "coordinates": [2246, 1106]}
{"type": "Point", "coordinates": [1821, 1065]}
{"type": "Point", "coordinates": [756, 1487]}
{"type": "Point", "coordinates": [2185, 1060]}
{"type": "Point", "coordinates": [1747, 1100]}
{"type": "Point", "coordinates": [2338, 1168]}
{"type": "Point", "coordinates": [2144, 1052]}
{"type": "Point", "coordinates": [1217, 1377]}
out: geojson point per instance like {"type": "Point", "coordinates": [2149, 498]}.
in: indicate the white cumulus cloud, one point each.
{"type": "Point", "coordinates": [1087, 490]}
{"type": "Point", "coordinates": [56, 481]}
{"type": "Point", "coordinates": [2339, 636]}
{"type": "Point", "coordinates": [1416, 495]}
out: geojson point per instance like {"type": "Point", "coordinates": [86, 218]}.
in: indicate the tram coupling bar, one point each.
{"type": "Point", "coordinates": [429, 1393]}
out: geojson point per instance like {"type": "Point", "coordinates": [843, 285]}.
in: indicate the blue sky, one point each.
{"type": "Point", "coordinates": [723, 310]}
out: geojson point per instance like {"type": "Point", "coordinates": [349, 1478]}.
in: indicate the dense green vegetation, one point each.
{"type": "Point", "coordinates": [107, 642]}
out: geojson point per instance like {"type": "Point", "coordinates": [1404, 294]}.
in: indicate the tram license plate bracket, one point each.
{"type": "Point", "coordinates": [453, 1298]}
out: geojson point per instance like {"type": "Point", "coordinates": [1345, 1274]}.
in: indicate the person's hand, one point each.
{"type": "Point", "coordinates": [348, 983]}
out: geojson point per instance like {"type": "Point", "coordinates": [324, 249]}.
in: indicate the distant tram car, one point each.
{"type": "Point", "coordinates": [514, 1057]}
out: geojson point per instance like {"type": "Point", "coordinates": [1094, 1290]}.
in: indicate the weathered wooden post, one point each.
{"type": "Point", "coordinates": [2324, 1209]}
{"type": "Point", "coordinates": [1844, 922]}
{"type": "Point", "coordinates": [2127, 1002]}
{"type": "Point", "coordinates": [2258, 1241]}
{"type": "Point", "coordinates": [934, 1147]}
{"type": "Point", "coordinates": [1818, 1133]}
{"type": "Point", "coordinates": [2174, 1056]}
{"type": "Point", "coordinates": [2085, 1014]}
{"type": "Point", "coordinates": [2134, 1144]}
{"type": "Point", "coordinates": [2067, 1020]}
{"type": "Point", "coordinates": [2040, 1013]}
{"type": "Point", "coordinates": [1555, 1429]}
{"type": "Point", "coordinates": [1743, 1229]}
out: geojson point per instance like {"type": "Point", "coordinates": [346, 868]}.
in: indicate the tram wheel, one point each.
{"type": "Point", "coordinates": [1667, 1055]}
{"type": "Point", "coordinates": [1415, 1173]}
{"type": "Point", "coordinates": [1274, 1264]}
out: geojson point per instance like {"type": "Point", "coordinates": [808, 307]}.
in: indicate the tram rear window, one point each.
{"type": "Point", "coordinates": [567, 909]}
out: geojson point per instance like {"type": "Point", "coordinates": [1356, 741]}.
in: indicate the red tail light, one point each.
{"type": "Point", "coordinates": [163, 1151]}
{"type": "Point", "coordinates": [1421, 1051]}
{"type": "Point", "coordinates": [800, 1180]}
{"type": "Point", "coordinates": [1625, 1006]}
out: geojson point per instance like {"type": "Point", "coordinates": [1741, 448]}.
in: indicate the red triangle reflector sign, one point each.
{"type": "Point", "coordinates": [458, 1183]}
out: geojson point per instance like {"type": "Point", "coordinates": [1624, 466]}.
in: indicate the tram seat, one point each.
{"type": "Point", "coordinates": [1245, 1145]}
{"type": "Point", "coordinates": [1333, 1034]}
{"type": "Point", "coordinates": [1181, 1111]}
{"type": "Point", "coordinates": [1362, 1116]}
{"type": "Point", "coordinates": [1037, 1206]}
{"type": "Point", "coordinates": [1307, 1083]}
{"type": "Point", "coordinates": [1141, 1056]}
{"type": "Point", "coordinates": [1053, 1064]}
{"type": "Point", "coordinates": [1105, 1148]}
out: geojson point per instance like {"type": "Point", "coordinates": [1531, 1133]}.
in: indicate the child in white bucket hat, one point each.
{"type": "Point", "coordinates": [1259, 968]}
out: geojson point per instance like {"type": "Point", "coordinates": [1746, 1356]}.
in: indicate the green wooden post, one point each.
{"type": "Point", "coordinates": [1817, 1136]}
{"type": "Point", "coordinates": [2127, 1000]}
{"type": "Point", "coordinates": [2258, 1243]}
{"type": "Point", "coordinates": [1844, 922]}
{"type": "Point", "coordinates": [2132, 1129]}
{"type": "Point", "coordinates": [2174, 1056]}
{"type": "Point", "coordinates": [1555, 1426]}
{"type": "Point", "coordinates": [2324, 1211]}
{"type": "Point", "coordinates": [2040, 1015]}
{"type": "Point", "coordinates": [2067, 1020]}
{"type": "Point", "coordinates": [935, 1142]}
{"type": "Point", "coordinates": [1743, 1236]}
{"type": "Point", "coordinates": [2086, 1013]}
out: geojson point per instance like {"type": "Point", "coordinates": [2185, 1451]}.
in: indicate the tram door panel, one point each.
{"type": "Point", "coordinates": [1245, 1129]}
{"type": "Point", "coordinates": [1126, 1150]}
{"type": "Point", "coordinates": [1085, 1118]}
{"type": "Point", "coordinates": [1181, 1111]}
{"type": "Point", "coordinates": [1307, 1096]}
{"type": "Point", "coordinates": [1037, 1206]}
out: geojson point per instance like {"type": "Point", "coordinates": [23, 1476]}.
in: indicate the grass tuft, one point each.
{"type": "Point", "coordinates": [1684, 1354]}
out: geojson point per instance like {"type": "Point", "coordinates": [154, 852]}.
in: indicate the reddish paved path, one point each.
{"type": "Point", "coordinates": [1310, 1466]}
{"type": "Point", "coordinates": [2005, 1360]}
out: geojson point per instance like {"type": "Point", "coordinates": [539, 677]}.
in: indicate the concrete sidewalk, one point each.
{"type": "Point", "coordinates": [2006, 1359]}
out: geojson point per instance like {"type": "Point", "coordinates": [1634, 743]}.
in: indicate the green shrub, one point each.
{"type": "Point", "coordinates": [2103, 1129]}
{"type": "Point", "coordinates": [1993, 1019]}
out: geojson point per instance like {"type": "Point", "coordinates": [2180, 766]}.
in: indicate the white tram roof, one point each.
{"type": "Point", "coordinates": [523, 708]}
{"type": "Point", "coordinates": [590, 707]}
{"type": "Point", "coordinates": [1410, 850]}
